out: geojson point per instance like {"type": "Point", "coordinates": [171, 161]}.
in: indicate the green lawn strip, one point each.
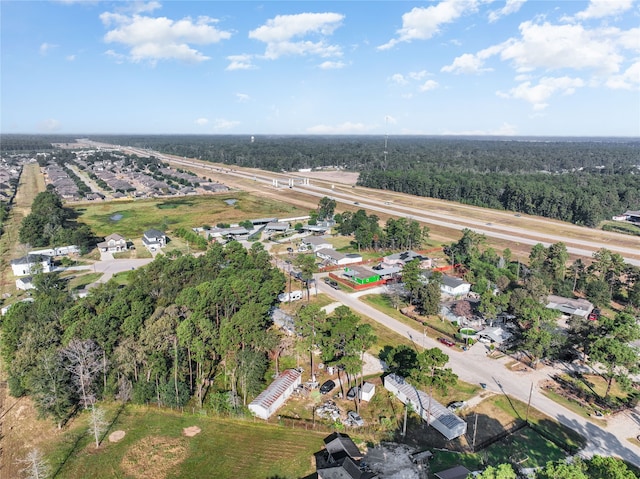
{"type": "Point", "coordinates": [383, 304]}
{"type": "Point", "coordinates": [224, 448]}
{"type": "Point", "coordinates": [573, 406]}
{"type": "Point", "coordinates": [525, 447]}
{"type": "Point", "coordinates": [446, 459]}
{"type": "Point", "coordinates": [81, 280]}
{"type": "Point", "coordinates": [518, 410]}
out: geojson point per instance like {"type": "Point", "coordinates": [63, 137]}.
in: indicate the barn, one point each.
{"type": "Point", "coordinates": [443, 420]}
{"type": "Point", "coordinates": [269, 400]}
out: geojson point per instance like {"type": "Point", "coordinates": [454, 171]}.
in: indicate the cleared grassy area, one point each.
{"type": "Point", "coordinates": [80, 281]}
{"type": "Point", "coordinates": [155, 446]}
{"type": "Point", "coordinates": [170, 213]}
{"type": "Point", "coordinates": [573, 406]}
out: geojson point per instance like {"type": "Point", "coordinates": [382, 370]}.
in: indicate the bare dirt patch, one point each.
{"type": "Point", "coordinates": [153, 457]}
{"type": "Point", "coordinates": [191, 431]}
{"type": "Point", "coordinates": [344, 177]}
{"type": "Point", "coordinates": [116, 436]}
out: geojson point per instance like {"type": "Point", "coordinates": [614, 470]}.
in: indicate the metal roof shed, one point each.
{"type": "Point", "coordinates": [269, 400]}
{"type": "Point", "coordinates": [443, 420]}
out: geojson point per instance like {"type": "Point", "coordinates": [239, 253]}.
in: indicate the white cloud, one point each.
{"type": "Point", "coordinates": [201, 121]}
{"type": "Point", "coordinates": [399, 79]}
{"type": "Point", "coordinates": [342, 129]}
{"type": "Point", "coordinates": [49, 125]}
{"type": "Point", "coordinates": [466, 63]}
{"type": "Point", "coordinates": [160, 38]}
{"type": "Point", "coordinates": [331, 65]}
{"type": "Point", "coordinates": [240, 62]}
{"type": "Point", "coordinates": [242, 97]}
{"type": "Point", "coordinates": [604, 8]}
{"type": "Point", "coordinates": [117, 57]}
{"type": "Point", "coordinates": [429, 85]}
{"type": "Point", "coordinates": [422, 23]}
{"type": "Point", "coordinates": [553, 47]}
{"type": "Point", "coordinates": [511, 6]}
{"type": "Point", "coordinates": [538, 94]}
{"type": "Point", "coordinates": [45, 47]}
{"type": "Point", "coordinates": [418, 75]}
{"type": "Point", "coordinates": [628, 80]}
{"type": "Point", "coordinates": [70, 58]}
{"type": "Point", "coordinates": [390, 120]}
{"type": "Point", "coordinates": [279, 34]}
{"type": "Point", "coordinates": [222, 124]}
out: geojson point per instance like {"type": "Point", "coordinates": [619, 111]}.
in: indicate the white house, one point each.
{"type": "Point", "coordinates": [113, 243]}
{"type": "Point", "coordinates": [154, 239]}
{"type": "Point", "coordinates": [25, 283]}
{"type": "Point", "coordinates": [334, 257]}
{"type": "Point", "coordinates": [454, 286]}
{"type": "Point", "coordinates": [269, 400]}
{"type": "Point", "coordinates": [316, 243]}
{"type": "Point", "coordinates": [30, 264]}
{"type": "Point", "coordinates": [438, 416]}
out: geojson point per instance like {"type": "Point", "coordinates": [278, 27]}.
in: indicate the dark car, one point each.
{"type": "Point", "coordinates": [332, 282]}
{"type": "Point", "coordinates": [446, 342]}
{"type": "Point", "coordinates": [327, 387]}
{"type": "Point", "coordinates": [353, 392]}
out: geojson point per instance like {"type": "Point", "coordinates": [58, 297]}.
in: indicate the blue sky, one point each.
{"type": "Point", "coordinates": [478, 67]}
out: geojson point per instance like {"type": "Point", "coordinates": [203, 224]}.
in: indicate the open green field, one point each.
{"type": "Point", "coordinates": [170, 213]}
{"type": "Point", "coordinates": [154, 447]}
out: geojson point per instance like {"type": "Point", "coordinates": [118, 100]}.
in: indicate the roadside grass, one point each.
{"type": "Point", "coordinates": [80, 281]}
{"type": "Point", "coordinates": [224, 448]}
{"type": "Point", "coordinates": [574, 407]}
{"type": "Point", "coordinates": [171, 213]}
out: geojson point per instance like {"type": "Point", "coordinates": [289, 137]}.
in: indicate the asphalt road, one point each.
{"type": "Point", "coordinates": [474, 366]}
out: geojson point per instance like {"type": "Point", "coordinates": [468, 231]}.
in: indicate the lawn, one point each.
{"type": "Point", "coordinates": [154, 447]}
{"type": "Point", "coordinates": [170, 213]}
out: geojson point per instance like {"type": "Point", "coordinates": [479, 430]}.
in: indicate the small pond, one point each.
{"type": "Point", "coordinates": [116, 217]}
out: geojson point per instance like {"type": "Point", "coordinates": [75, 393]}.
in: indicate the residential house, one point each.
{"type": "Point", "coordinates": [450, 285]}
{"type": "Point", "coordinates": [269, 400]}
{"type": "Point", "coordinates": [438, 416]}
{"type": "Point", "coordinates": [276, 227]}
{"type": "Point", "coordinates": [572, 307]}
{"type": "Point", "coordinates": [113, 243]}
{"type": "Point", "coordinates": [400, 259]}
{"type": "Point", "coordinates": [367, 391]}
{"type": "Point", "coordinates": [30, 264]}
{"type": "Point", "coordinates": [25, 283]}
{"type": "Point", "coordinates": [361, 275]}
{"type": "Point", "coordinates": [333, 257]}
{"type": "Point", "coordinates": [154, 239]}
{"type": "Point", "coordinates": [316, 243]}
{"type": "Point", "coordinates": [456, 472]}
{"type": "Point", "coordinates": [341, 459]}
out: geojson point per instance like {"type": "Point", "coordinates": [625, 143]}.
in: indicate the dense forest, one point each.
{"type": "Point", "coordinates": [580, 180]}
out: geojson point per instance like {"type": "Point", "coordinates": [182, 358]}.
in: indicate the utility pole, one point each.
{"type": "Point", "coordinates": [475, 429]}
{"type": "Point", "coordinates": [529, 404]}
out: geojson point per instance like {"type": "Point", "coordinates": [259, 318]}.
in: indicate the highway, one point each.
{"type": "Point", "coordinates": [576, 237]}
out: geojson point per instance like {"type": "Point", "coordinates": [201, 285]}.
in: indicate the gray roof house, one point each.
{"type": "Point", "coordinates": [400, 259]}
{"type": "Point", "coordinates": [334, 257]}
{"type": "Point", "coordinates": [576, 307]}
{"type": "Point", "coordinates": [341, 459]}
{"type": "Point", "coordinates": [315, 243]}
{"type": "Point", "coordinates": [153, 239]}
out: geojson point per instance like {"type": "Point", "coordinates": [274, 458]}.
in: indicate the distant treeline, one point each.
{"type": "Point", "coordinates": [581, 180]}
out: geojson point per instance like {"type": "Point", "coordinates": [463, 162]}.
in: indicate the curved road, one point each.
{"type": "Point", "coordinates": [473, 366]}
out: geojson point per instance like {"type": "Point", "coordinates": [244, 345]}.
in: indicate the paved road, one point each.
{"type": "Point", "coordinates": [474, 366]}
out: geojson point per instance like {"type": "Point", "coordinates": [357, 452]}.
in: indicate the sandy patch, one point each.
{"type": "Point", "coordinates": [191, 431]}
{"type": "Point", "coordinates": [153, 457]}
{"type": "Point", "coordinates": [116, 436]}
{"type": "Point", "coordinates": [344, 177]}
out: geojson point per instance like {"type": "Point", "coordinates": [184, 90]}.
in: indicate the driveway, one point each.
{"type": "Point", "coordinates": [475, 366]}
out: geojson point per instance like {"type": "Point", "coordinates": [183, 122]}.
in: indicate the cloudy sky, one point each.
{"type": "Point", "coordinates": [480, 67]}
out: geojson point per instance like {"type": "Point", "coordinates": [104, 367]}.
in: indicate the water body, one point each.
{"type": "Point", "coordinates": [116, 217]}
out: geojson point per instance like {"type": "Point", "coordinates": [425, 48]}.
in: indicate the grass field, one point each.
{"type": "Point", "coordinates": [154, 447]}
{"type": "Point", "coordinates": [171, 213]}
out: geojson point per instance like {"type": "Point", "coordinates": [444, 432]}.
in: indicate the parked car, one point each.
{"type": "Point", "coordinates": [454, 406]}
{"type": "Point", "coordinates": [327, 386]}
{"type": "Point", "coordinates": [446, 342]}
{"type": "Point", "coordinates": [355, 419]}
{"type": "Point", "coordinates": [353, 392]}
